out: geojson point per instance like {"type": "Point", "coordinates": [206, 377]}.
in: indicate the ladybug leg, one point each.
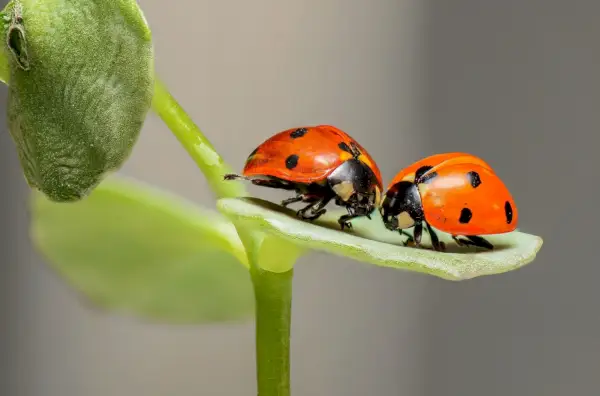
{"type": "Point", "coordinates": [271, 183]}
{"type": "Point", "coordinates": [435, 241]}
{"type": "Point", "coordinates": [460, 242]}
{"type": "Point", "coordinates": [409, 238]}
{"type": "Point", "coordinates": [481, 242]}
{"type": "Point", "coordinates": [344, 221]}
{"type": "Point", "coordinates": [233, 176]}
{"type": "Point", "coordinates": [292, 200]}
{"type": "Point", "coordinates": [473, 240]}
{"type": "Point", "coordinates": [302, 212]}
{"type": "Point", "coordinates": [316, 209]}
{"type": "Point", "coordinates": [354, 211]}
{"type": "Point", "coordinates": [417, 234]}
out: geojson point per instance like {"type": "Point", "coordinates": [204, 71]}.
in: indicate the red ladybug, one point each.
{"type": "Point", "coordinates": [457, 193]}
{"type": "Point", "coordinates": [319, 163]}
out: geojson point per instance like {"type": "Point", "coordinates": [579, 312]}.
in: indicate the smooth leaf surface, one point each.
{"type": "Point", "coordinates": [133, 249]}
{"type": "Point", "coordinates": [369, 241]}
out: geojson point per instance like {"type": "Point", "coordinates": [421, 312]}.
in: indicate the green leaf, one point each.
{"type": "Point", "coordinates": [81, 84]}
{"type": "Point", "coordinates": [369, 241]}
{"type": "Point", "coordinates": [133, 249]}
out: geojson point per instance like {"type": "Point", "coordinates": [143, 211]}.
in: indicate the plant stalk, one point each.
{"type": "Point", "coordinates": [195, 143]}
{"type": "Point", "coordinates": [4, 70]}
{"type": "Point", "coordinates": [273, 294]}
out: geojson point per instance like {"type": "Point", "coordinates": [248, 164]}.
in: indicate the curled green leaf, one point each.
{"type": "Point", "coordinates": [15, 37]}
{"type": "Point", "coordinates": [133, 249]}
{"type": "Point", "coordinates": [369, 241]}
{"type": "Point", "coordinates": [81, 84]}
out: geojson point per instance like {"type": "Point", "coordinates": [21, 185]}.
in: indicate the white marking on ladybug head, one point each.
{"type": "Point", "coordinates": [344, 190]}
{"type": "Point", "coordinates": [405, 220]}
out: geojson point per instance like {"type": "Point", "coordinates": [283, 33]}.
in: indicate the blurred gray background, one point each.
{"type": "Point", "coordinates": [513, 81]}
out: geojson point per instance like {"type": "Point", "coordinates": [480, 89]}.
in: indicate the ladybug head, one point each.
{"type": "Point", "coordinates": [355, 184]}
{"type": "Point", "coordinates": [401, 207]}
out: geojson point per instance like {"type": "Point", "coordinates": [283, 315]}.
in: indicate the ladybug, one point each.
{"type": "Point", "coordinates": [320, 163]}
{"type": "Point", "coordinates": [457, 193]}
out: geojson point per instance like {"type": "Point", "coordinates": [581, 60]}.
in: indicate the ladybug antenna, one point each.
{"type": "Point", "coordinates": [355, 150]}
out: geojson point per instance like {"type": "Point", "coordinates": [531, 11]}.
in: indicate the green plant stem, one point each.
{"type": "Point", "coordinates": [194, 141]}
{"type": "Point", "coordinates": [273, 291]}
{"type": "Point", "coordinates": [4, 70]}
{"type": "Point", "coordinates": [273, 294]}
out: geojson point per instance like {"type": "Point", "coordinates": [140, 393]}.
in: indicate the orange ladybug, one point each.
{"type": "Point", "coordinates": [320, 163]}
{"type": "Point", "coordinates": [457, 193]}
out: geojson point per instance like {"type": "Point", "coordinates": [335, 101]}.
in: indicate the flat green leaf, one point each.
{"type": "Point", "coordinates": [136, 250]}
{"type": "Point", "coordinates": [369, 241]}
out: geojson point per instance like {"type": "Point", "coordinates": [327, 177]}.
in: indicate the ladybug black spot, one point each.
{"type": "Point", "coordinates": [508, 211]}
{"type": "Point", "coordinates": [298, 133]}
{"type": "Point", "coordinates": [291, 162]}
{"type": "Point", "coordinates": [474, 179]}
{"type": "Point", "coordinates": [465, 216]}
{"type": "Point", "coordinates": [343, 146]}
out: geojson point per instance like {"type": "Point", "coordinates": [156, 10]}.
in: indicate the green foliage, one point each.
{"type": "Point", "coordinates": [132, 249]}
{"type": "Point", "coordinates": [81, 81]}
{"type": "Point", "coordinates": [370, 242]}
{"type": "Point", "coordinates": [81, 84]}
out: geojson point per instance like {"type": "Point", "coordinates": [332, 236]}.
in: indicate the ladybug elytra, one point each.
{"type": "Point", "coordinates": [320, 163]}
{"type": "Point", "coordinates": [457, 193]}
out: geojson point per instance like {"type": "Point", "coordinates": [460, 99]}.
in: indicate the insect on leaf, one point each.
{"type": "Point", "coordinates": [370, 242]}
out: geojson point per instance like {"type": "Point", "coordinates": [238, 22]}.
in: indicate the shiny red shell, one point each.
{"type": "Point", "coordinates": [408, 173]}
{"type": "Point", "coordinates": [305, 155]}
{"type": "Point", "coordinates": [462, 195]}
